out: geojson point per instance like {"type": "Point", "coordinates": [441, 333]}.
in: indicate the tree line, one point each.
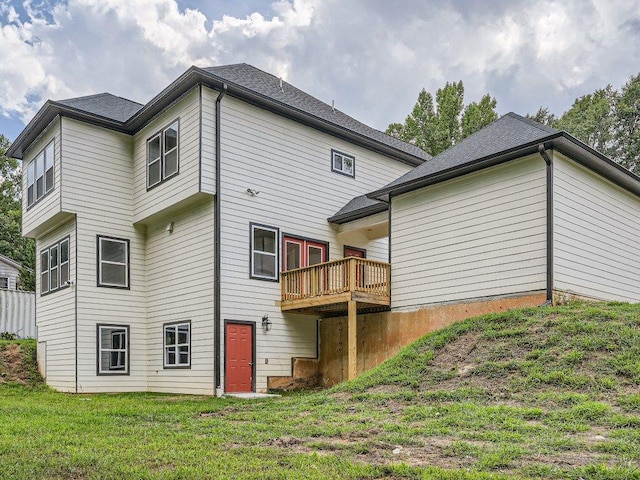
{"type": "Point", "coordinates": [607, 120]}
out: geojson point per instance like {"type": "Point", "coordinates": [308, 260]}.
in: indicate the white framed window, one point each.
{"type": "Point", "coordinates": [343, 163]}
{"type": "Point", "coordinates": [4, 283]}
{"type": "Point", "coordinates": [177, 345]}
{"type": "Point", "coordinates": [113, 350]}
{"type": "Point", "coordinates": [40, 174]}
{"type": "Point", "coordinates": [54, 267]}
{"type": "Point", "coordinates": [163, 155]}
{"type": "Point", "coordinates": [264, 252]}
{"type": "Point", "coordinates": [113, 262]}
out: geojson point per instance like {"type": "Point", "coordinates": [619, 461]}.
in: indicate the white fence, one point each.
{"type": "Point", "coordinates": [18, 313]}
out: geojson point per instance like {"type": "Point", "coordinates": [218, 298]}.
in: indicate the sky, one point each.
{"type": "Point", "coordinates": [371, 57]}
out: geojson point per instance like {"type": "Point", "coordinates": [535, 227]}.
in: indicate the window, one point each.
{"type": "Point", "coordinates": [264, 252]}
{"type": "Point", "coordinates": [162, 155]}
{"type": "Point", "coordinates": [54, 267]}
{"type": "Point", "coordinates": [4, 283]}
{"type": "Point", "coordinates": [40, 175]}
{"type": "Point", "coordinates": [343, 163]}
{"type": "Point", "coordinates": [177, 345]}
{"type": "Point", "coordinates": [302, 252]}
{"type": "Point", "coordinates": [113, 262]}
{"type": "Point", "coordinates": [113, 350]}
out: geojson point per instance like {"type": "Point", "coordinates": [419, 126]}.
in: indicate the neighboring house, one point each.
{"type": "Point", "coordinates": [9, 273]}
{"type": "Point", "coordinates": [232, 235]}
{"type": "Point", "coordinates": [161, 231]}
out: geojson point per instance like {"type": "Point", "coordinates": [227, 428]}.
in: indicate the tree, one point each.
{"type": "Point", "coordinates": [12, 243]}
{"type": "Point", "coordinates": [626, 135]}
{"type": "Point", "coordinates": [435, 129]}
{"type": "Point", "coordinates": [591, 119]}
{"type": "Point", "coordinates": [543, 116]}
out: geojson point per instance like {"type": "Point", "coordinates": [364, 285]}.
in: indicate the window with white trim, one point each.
{"type": "Point", "coordinates": [177, 345]}
{"type": "Point", "coordinates": [113, 349]}
{"type": "Point", "coordinates": [162, 155]}
{"type": "Point", "coordinates": [113, 262]}
{"type": "Point", "coordinates": [4, 283]}
{"type": "Point", "coordinates": [264, 252]}
{"type": "Point", "coordinates": [40, 174]}
{"type": "Point", "coordinates": [54, 267]}
{"type": "Point", "coordinates": [343, 163]}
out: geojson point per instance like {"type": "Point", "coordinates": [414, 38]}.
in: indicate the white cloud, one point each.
{"type": "Point", "coordinates": [371, 56]}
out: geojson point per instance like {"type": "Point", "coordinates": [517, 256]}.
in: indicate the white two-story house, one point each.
{"type": "Point", "coordinates": [162, 231]}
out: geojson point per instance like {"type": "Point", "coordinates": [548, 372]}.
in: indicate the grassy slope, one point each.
{"type": "Point", "coordinates": [551, 392]}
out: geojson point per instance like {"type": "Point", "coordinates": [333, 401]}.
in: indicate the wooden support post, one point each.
{"type": "Point", "coordinates": [352, 352]}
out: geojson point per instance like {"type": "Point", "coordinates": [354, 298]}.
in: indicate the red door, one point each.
{"type": "Point", "coordinates": [354, 252]}
{"type": "Point", "coordinates": [239, 358]}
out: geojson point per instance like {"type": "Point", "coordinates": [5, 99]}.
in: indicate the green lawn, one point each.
{"type": "Point", "coordinates": [542, 393]}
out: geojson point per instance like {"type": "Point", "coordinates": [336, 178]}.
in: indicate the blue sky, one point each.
{"type": "Point", "coordinates": [371, 57]}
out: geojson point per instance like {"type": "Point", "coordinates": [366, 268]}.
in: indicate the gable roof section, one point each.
{"type": "Point", "coordinates": [104, 105]}
{"type": "Point", "coordinates": [508, 138]}
{"type": "Point", "coordinates": [10, 262]}
{"type": "Point", "coordinates": [241, 80]}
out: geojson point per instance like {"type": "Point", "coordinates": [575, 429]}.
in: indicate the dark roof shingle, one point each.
{"type": "Point", "coordinates": [268, 85]}
{"type": "Point", "coordinates": [105, 105]}
{"type": "Point", "coordinates": [509, 131]}
{"type": "Point", "coordinates": [358, 207]}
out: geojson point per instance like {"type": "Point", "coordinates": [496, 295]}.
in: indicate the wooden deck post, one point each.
{"type": "Point", "coordinates": [352, 352]}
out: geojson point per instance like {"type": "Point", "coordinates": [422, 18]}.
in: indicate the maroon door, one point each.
{"type": "Point", "coordinates": [239, 358]}
{"type": "Point", "coordinates": [354, 252]}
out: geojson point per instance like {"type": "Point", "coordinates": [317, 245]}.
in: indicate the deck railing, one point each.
{"type": "Point", "coordinates": [335, 277]}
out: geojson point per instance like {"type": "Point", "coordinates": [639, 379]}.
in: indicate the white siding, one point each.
{"type": "Point", "coordinates": [208, 159]}
{"type": "Point", "coordinates": [180, 288]}
{"type": "Point", "coordinates": [11, 273]}
{"type": "Point", "coordinates": [18, 313]}
{"type": "Point", "coordinates": [55, 316]}
{"type": "Point", "coordinates": [186, 182]}
{"type": "Point", "coordinates": [290, 165]}
{"type": "Point", "coordinates": [49, 205]}
{"type": "Point", "coordinates": [596, 235]}
{"type": "Point", "coordinates": [476, 236]}
{"type": "Point", "coordinates": [98, 187]}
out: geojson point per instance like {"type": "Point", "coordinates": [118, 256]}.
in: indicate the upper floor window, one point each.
{"type": "Point", "coordinates": [113, 262]}
{"type": "Point", "coordinates": [54, 267]}
{"type": "Point", "coordinates": [264, 252]}
{"type": "Point", "coordinates": [343, 163]}
{"type": "Point", "coordinates": [162, 155]}
{"type": "Point", "coordinates": [4, 283]}
{"type": "Point", "coordinates": [40, 175]}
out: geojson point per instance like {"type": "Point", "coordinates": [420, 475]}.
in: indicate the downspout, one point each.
{"type": "Point", "coordinates": [217, 256]}
{"type": "Point", "coordinates": [548, 160]}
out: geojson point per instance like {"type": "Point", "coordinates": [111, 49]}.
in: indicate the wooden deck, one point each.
{"type": "Point", "coordinates": [327, 288]}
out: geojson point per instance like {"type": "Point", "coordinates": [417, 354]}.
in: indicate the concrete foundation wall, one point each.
{"type": "Point", "coordinates": [381, 335]}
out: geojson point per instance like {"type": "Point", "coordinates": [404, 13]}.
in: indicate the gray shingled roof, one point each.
{"type": "Point", "coordinates": [509, 131]}
{"type": "Point", "coordinates": [268, 85]}
{"type": "Point", "coordinates": [104, 104]}
{"type": "Point", "coordinates": [358, 207]}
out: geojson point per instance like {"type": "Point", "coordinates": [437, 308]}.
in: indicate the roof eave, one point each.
{"type": "Point", "coordinates": [49, 111]}
{"type": "Point", "coordinates": [358, 214]}
{"type": "Point", "coordinates": [495, 159]}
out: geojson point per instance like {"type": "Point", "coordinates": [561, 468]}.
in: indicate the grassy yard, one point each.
{"type": "Point", "coordinates": [534, 393]}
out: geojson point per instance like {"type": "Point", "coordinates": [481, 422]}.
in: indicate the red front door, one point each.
{"type": "Point", "coordinates": [239, 358]}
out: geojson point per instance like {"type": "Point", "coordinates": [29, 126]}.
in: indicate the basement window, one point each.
{"type": "Point", "coordinates": [177, 345]}
{"type": "Point", "coordinates": [113, 350]}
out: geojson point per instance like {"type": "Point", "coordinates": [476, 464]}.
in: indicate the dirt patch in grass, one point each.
{"type": "Point", "coordinates": [17, 364]}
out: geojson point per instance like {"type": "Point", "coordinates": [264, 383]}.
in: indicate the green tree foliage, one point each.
{"type": "Point", "coordinates": [606, 119]}
{"type": "Point", "coordinates": [12, 243]}
{"type": "Point", "coordinates": [591, 119]}
{"type": "Point", "coordinates": [437, 126]}
{"type": "Point", "coordinates": [626, 136]}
